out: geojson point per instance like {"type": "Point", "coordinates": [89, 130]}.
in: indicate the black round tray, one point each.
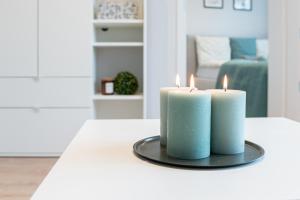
{"type": "Point", "coordinates": [151, 150]}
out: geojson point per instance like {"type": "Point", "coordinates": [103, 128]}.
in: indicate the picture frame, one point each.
{"type": "Point", "coordinates": [242, 5]}
{"type": "Point", "coordinates": [215, 4]}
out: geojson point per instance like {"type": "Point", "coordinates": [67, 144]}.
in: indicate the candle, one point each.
{"type": "Point", "coordinates": [107, 86]}
{"type": "Point", "coordinates": [228, 116]}
{"type": "Point", "coordinates": [189, 123]}
{"type": "Point", "coordinates": [164, 94]}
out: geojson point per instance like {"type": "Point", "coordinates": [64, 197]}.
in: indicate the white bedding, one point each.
{"type": "Point", "coordinates": [212, 52]}
{"type": "Point", "coordinates": [208, 72]}
{"type": "Point", "coordinates": [262, 48]}
{"type": "Point", "coordinates": [204, 84]}
{"type": "Point", "coordinates": [206, 77]}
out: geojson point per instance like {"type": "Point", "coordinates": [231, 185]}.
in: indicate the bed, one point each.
{"type": "Point", "coordinates": [244, 60]}
{"type": "Point", "coordinates": [250, 76]}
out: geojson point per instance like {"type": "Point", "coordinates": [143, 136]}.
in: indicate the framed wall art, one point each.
{"type": "Point", "coordinates": [244, 5]}
{"type": "Point", "coordinates": [217, 4]}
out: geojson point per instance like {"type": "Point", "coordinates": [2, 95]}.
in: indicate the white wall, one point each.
{"type": "Point", "coordinates": [277, 60]}
{"type": "Point", "coordinates": [165, 43]}
{"type": "Point", "coordinates": [284, 73]}
{"type": "Point", "coordinates": [292, 60]}
{"type": "Point", "coordinates": [157, 54]}
{"type": "Point", "coordinates": [226, 21]}
{"type": "Point", "coordinates": [284, 62]}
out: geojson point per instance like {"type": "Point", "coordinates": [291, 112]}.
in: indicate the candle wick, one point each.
{"type": "Point", "coordinates": [225, 89]}
{"type": "Point", "coordinates": [191, 90]}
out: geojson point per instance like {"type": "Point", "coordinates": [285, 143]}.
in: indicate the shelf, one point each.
{"type": "Point", "coordinates": [101, 23]}
{"type": "Point", "coordinates": [118, 44]}
{"type": "Point", "coordinates": [98, 97]}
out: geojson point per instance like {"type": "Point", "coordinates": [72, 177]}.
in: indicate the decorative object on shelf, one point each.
{"type": "Point", "coordinates": [244, 5]}
{"type": "Point", "coordinates": [228, 119]}
{"type": "Point", "coordinates": [130, 10]}
{"type": "Point", "coordinates": [126, 83]}
{"type": "Point", "coordinates": [106, 9]}
{"type": "Point", "coordinates": [107, 86]}
{"type": "Point", "coordinates": [105, 29]}
{"type": "Point", "coordinates": [216, 4]}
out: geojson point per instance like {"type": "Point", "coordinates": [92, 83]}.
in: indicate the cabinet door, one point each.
{"type": "Point", "coordinates": [45, 92]}
{"type": "Point", "coordinates": [18, 38]}
{"type": "Point", "coordinates": [46, 132]}
{"type": "Point", "coordinates": [65, 31]}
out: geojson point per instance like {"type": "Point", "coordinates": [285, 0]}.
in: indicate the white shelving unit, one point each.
{"type": "Point", "coordinates": [100, 23]}
{"type": "Point", "coordinates": [118, 97]}
{"type": "Point", "coordinates": [120, 45]}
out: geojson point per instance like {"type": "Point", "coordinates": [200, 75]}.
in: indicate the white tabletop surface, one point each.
{"type": "Point", "coordinates": [100, 164]}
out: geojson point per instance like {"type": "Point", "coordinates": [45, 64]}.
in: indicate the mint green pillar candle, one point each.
{"type": "Point", "coordinates": [164, 113]}
{"type": "Point", "coordinates": [189, 123]}
{"type": "Point", "coordinates": [164, 94]}
{"type": "Point", "coordinates": [227, 122]}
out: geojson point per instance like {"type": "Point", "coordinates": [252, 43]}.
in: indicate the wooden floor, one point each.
{"type": "Point", "coordinates": [20, 177]}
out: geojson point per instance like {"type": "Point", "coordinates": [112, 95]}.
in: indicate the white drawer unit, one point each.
{"type": "Point", "coordinates": [65, 36]}
{"type": "Point", "coordinates": [45, 74]}
{"type": "Point", "coordinates": [27, 132]}
{"type": "Point", "coordinates": [18, 38]}
{"type": "Point", "coordinates": [45, 92]}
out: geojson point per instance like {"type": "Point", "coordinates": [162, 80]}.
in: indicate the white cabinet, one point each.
{"type": "Point", "coordinates": [45, 92]}
{"type": "Point", "coordinates": [26, 132]}
{"type": "Point", "coordinates": [65, 35]}
{"type": "Point", "coordinates": [18, 38]}
{"type": "Point", "coordinates": [45, 70]}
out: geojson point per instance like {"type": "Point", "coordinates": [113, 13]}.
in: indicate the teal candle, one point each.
{"type": "Point", "coordinates": [164, 94]}
{"type": "Point", "coordinates": [164, 113]}
{"type": "Point", "coordinates": [228, 119]}
{"type": "Point", "coordinates": [189, 124]}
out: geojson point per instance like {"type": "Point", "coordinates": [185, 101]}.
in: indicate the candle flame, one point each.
{"type": "Point", "coordinates": [177, 80]}
{"type": "Point", "coordinates": [225, 84]}
{"type": "Point", "coordinates": [192, 83]}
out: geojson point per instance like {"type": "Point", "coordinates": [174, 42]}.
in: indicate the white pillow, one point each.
{"type": "Point", "coordinates": [262, 48]}
{"type": "Point", "coordinates": [212, 51]}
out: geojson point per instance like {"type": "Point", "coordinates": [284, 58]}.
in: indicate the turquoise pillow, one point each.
{"type": "Point", "coordinates": [241, 47]}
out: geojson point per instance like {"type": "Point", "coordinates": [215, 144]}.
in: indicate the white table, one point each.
{"type": "Point", "coordinates": [100, 164]}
